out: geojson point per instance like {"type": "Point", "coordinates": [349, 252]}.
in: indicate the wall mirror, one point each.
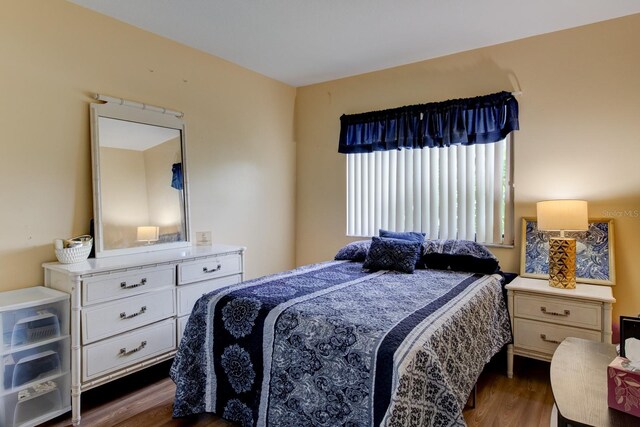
{"type": "Point", "coordinates": [140, 197]}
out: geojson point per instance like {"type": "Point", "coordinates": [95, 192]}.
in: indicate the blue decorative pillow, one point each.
{"type": "Point", "coordinates": [412, 236]}
{"type": "Point", "coordinates": [392, 254]}
{"type": "Point", "coordinates": [459, 255]}
{"type": "Point", "coordinates": [354, 251]}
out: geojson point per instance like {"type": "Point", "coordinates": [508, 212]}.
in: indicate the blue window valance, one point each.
{"type": "Point", "coordinates": [479, 120]}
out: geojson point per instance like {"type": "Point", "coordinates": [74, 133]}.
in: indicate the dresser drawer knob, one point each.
{"type": "Point", "coordinates": [553, 313]}
{"type": "Point", "coordinates": [545, 339]}
{"type": "Point", "coordinates": [123, 285]}
{"type": "Point", "coordinates": [206, 270]}
{"type": "Point", "coordinates": [124, 315]}
{"type": "Point", "coordinates": [125, 352]}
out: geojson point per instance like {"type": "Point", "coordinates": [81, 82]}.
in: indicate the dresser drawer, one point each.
{"type": "Point", "coordinates": [545, 337]}
{"type": "Point", "coordinates": [189, 294]}
{"type": "Point", "coordinates": [104, 320]}
{"type": "Point", "coordinates": [119, 352]}
{"type": "Point", "coordinates": [122, 285]}
{"type": "Point", "coordinates": [204, 269]}
{"type": "Point", "coordinates": [581, 314]}
{"type": "Point", "coordinates": [182, 325]}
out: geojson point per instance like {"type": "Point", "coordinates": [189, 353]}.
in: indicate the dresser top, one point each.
{"type": "Point", "coordinates": [96, 265]}
{"type": "Point", "coordinates": [541, 286]}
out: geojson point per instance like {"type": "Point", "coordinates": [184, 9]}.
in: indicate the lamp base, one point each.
{"type": "Point", "coordinates": [562, 262]}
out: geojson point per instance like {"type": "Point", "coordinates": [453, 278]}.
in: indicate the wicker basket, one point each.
{"type": "Point", "coordinates": [77, 254]}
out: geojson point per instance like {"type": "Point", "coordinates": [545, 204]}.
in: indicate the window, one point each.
{"type": "Point", "coordinates": [456, 192]}
{"type": "Point", "coordinates": [443, 168]}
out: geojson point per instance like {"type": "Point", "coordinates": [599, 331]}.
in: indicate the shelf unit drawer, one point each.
{"type": "Point", "coordinates": [125, 284]}
{"type": "Point", "coordinates": [567, 312]}
{"type": "Point", "coordinates": [26, 326]}
{"type": "Point", "coordinates": [34, 364]}
{"type": "Point", "coordinates": [545, 337]}
{"type": "Point", "coordinates": [189, 294]}
{"type": "Point", "coordinates": [209, 268]}
{"type": "Point", "coordinates": [37, 403]}
{"type": "Point", "coordinates": [119, 352]}
{"type": "Point", "coordinates": [112, 318]}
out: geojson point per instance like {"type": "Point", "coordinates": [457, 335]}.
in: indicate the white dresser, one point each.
{"type": "Point", "coordinates": [129, 312]}
{"type": "Point", "coordinates": [542, 316]}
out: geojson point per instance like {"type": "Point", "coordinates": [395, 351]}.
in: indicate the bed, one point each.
{"type": "Point", "coordinates": [334, 344]}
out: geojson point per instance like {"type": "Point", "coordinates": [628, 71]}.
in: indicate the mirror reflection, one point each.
{"type": "Point", "coordinates": [140, 195]}
{"type": "Point", "coordinates": [141, 184]}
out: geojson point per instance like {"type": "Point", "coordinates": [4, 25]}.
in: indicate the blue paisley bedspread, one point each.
{"type": "Point", "coordinates": [333, 345]}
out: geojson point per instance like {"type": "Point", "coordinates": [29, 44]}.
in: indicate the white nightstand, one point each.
{"type": "Point", "coordinates": [542, 316]}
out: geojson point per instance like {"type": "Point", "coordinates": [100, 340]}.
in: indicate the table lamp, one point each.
{"type": "Point", "coordinates": [562, 215]}
{"type": "Point", "coordinates": [148, 233]}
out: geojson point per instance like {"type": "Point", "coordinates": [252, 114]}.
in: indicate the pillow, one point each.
{"type": "Point", "coordinates": [412, 236]}
{"type": "Point", "coordinates": [354, 251]}
{"type": "Point", "coordinates": [392, 254]}
{"type": "Point", "coordinates": [459, 255]}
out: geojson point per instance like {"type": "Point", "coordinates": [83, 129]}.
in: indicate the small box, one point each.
{"type": "Point", "coordinates": [623, 383]}
{"type": "Point", "coordinates": [203, 238]}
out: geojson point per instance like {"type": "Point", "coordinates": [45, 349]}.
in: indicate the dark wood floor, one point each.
{"type": "Point", "coordinates": [145, 399]}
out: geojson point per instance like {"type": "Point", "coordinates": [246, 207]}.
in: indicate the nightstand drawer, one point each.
{"type": "Point", "coordinates": [545, 337]}
{"type": "Point", "coordinates": [566, 312]}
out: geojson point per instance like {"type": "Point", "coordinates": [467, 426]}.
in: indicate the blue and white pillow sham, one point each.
{"type": "Point", "coordinates": [459, 255]}
{"type": "Point", "coordinates": [392, 254]}
{"type": "Point", "coordinates": [354, 251]}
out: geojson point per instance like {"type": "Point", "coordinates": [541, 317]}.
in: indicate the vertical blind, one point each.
{"type": "Point", "coordinates": [455, 192]}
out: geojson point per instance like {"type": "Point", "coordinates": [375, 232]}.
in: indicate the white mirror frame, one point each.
{"type": "Point", "coordinates": [156, 117]}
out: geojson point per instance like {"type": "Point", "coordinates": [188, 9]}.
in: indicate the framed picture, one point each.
{"type": "Point", "coordinates": [594, 251]}
{"type": "Point", "coordinates": [629, 328]}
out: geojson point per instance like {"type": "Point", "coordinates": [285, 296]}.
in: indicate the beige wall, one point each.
{"type": "Point", "coordinates": [165, 209]}
{"type": "Point", "coordinates": [123, 186]}
{"type": "Point", "coordinates": [579, 137]}
{"type": "Point", "coordinates": [136, 191]}
{"type": "Point", "coordinates": [241, 155]}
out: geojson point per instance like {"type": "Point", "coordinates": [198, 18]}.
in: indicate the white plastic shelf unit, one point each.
{"type": "Point", "coordinates": [35, 353]}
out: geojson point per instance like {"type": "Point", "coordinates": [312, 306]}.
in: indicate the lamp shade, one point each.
{"type": "Point", "coordinates": [148, 233]}
{"type": "Point", "coordinates": [569, 215]}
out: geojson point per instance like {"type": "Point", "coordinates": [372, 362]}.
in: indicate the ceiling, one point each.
{"type": "Point", "coordinates": [134, 136]}
{"type": "Point", "coordinates": [301, 42]}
